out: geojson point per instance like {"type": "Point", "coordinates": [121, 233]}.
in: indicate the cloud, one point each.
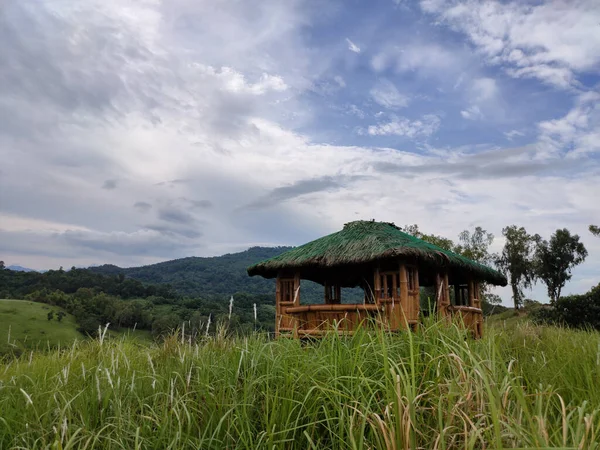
{"type": "Point", "coordinates": [510, 135]}
{"type": "Point", "coordinates": [109, 184]}
{"type": "Point", "coordinates": [387, 95]}
{"type": "Point", "coordinates": [352, 46]}
{"type": "Point", "coordinates": [175, 215]}
{"type": "Point", "coordinates": [577, 133]}
{"type": "Point", "coordinates": [142, 206]}
{"type": "Point", "coordinates": [551, 41]}
{"type": "Point", "coordinates": [426, 58]}
{"type": "Point", "coordinates": [300, 188]}
{"type": "Point", "coordinates": [401, 126]}
{"type": "Point", "coordinates": [472, 113]}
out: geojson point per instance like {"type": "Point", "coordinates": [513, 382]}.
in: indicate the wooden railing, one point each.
{"type": "Point", "coordinates": [315, 320]}
{"type": "Point", "coordinates": [470, 316]}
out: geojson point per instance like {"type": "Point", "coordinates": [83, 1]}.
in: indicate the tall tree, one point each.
{"type": "Point", "coordinates": [413, 230]}
{"type": "Point", "coordinates": [595, 230]}
{"type": "Point", "coordinates": [516, 260]}
{"type": "Point", "coordinates": [476, 245]}
{"type": "Point", "coordinates": [554, 260]}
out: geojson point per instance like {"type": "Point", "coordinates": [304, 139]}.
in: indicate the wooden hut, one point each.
{"type": "Point", "coordinates": [389, 265]}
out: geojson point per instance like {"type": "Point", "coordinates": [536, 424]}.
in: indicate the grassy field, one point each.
{"type": "Point", "coordinates": [521, 387]}
{"type": "Point", "coordinates": [24, 325]}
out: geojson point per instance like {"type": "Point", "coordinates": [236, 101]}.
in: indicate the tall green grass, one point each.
{"type": "Point", "coordinates": [524, 387]}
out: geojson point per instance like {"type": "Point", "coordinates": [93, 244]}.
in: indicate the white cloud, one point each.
{"type": "Point", "coordinates": [510, 135]}
{"type": "Point", "coordinates": [551, 41]}
{"type": "Point", "coordinates": [429, 59]}
{"type": "Point", "coordinates": [340, 81]}
{"type": "Point", "coordinates": [387, 95]}
{"type": "Point", "coordinates": [578, 132]}
{"type": "Point", "coordinates": [401, 126]}
{"type": "Point", "coordinates": [352, 46]}
{"type": "Point", "coordinates": [472, 113]}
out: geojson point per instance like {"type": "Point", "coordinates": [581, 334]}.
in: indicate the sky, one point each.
{"type": "Point", "coordinates": [133, 132]}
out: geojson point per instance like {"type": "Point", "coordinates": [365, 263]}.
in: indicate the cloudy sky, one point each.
{"type": "Point", "coordinates": [138, 131]}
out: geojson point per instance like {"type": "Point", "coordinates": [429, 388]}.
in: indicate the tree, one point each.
{"type": "Point", "coordinates": [476, 245]}
{"type": "Point", "coordinates": [554, 260]}
{"type": "Point", "coordinates": [60, 316]}
{"type": "Point", "coordinates": [595, 230]}
{"type": "Point", "coordinates": [413, 230]}
{"type": "Point", "coordinates": [51, 315]}
{"type": "Point", "coordinates": [516, 260]}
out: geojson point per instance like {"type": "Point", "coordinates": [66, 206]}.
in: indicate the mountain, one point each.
{"type": "Point", "coordinates": [194, 276]}
{"type": "Point", "coordinates": [218, 275]}
{"type": "Point", "coordinates": [21, 269]}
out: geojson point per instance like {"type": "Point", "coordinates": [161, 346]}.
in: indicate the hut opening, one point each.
{"type": "Point", "coordinates": [390, 267]}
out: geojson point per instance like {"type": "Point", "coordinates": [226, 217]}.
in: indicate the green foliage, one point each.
{"type": "Point", "coordinates": [556, 259]}
{"type": "Point", "coordinates": [21, 284]}
{"type": "Point", "coordinates": [194, 276]}
{"type": "Point", "coordinates": [579, 311]}
{"type": "Point", "coordinates": [595, 230]}
{"type": "Point", "coordinates": [440, 241]}
{"type": "Point", "coordinates": [530, 387]}
{"type": "Point", "coordinates": [516, 260]}
{"type": "Point", "coordinates": [476, 245]}
{"type": "Point", "coordinates": [50, 315]}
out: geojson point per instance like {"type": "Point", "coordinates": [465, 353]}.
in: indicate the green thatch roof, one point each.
{"type": "Point", "coordinates": [364, 242]}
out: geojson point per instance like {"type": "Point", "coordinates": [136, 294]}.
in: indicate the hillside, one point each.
{"type": "Point", "coordinates": [196, 276]}
{"type": "Point", "coordinates": [24, 325]}
{"type": "Point", "coordinates": [217, 275]}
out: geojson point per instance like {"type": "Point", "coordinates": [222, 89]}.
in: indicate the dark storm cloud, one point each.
{"type": "Point", "coordinates": [188, 232]}
{"type": "Point", "coordinates": [203, 204]}
{"type": "Point", "coordinates": [493, 164]}
{"type": "Point", "coordinates": [302, 187]}
{"type": "Point", "coordinates": [175, 215]}
{"type": "Point", "coordinates": [142, 206]}
{"type": "Point", "coordinates": [110, 184]}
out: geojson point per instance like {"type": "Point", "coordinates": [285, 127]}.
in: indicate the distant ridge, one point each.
{"type": "Point", "coordinates": [194, 276]}
{"type": "Point", "coordinates": [22, 269]}
{"type": "Point", "coordinates": [218, 275]}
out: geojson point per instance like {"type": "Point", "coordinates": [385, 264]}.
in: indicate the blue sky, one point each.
{"type": "Point", "coordinates": [134, 132]}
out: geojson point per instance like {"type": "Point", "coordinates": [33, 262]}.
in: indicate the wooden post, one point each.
{"type": "Point", "coordinates": [443, 295]}
{"type": "Point", "coordinates": [405, 306]}
{"type": "Point", "coordinates": [277, 305]}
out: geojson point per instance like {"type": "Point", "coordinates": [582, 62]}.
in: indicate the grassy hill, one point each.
{"type": "Point", "coordinates": [24, 325]}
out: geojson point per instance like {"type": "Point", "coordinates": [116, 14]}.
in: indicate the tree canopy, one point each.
{"type": "Point", "coordinates": [516, 260]}
{"type": "Point", "coordinates": [555, 259]}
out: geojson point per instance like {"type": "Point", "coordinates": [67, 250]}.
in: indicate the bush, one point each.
{"type": "Point", "coordinates": [578, 311]}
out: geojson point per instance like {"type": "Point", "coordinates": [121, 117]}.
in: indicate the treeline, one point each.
{"type": "Point", "coordinates": [96, 300]}
{"type": "Point", "coordinates": [14, 284]}
{"type": "Point", "coordinates": [93, 309]}
{"type": "Point", "coordinates": [529, 258]}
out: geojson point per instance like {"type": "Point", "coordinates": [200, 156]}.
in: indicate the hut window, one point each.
{"type": "Point", "coordinates": [411, 278]}
{"type": "Point", "coordinates": [461, 295]}
{"type": "Point", "coordinates": [333, 293]}
{"type": "Point", "coordinates": [390, 284]}
{"type": "Point", "coordinates": [287, 289]}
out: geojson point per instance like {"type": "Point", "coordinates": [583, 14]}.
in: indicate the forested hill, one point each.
{"type": "Point", "coordinates": [195, 276]}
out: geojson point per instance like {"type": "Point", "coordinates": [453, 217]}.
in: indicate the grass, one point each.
{"type": "Point", "coordinates": [527, 387]}
{"type": "Point", "coordinates": [24, 325]}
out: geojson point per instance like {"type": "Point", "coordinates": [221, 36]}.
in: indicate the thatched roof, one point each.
{"type": "Point", "coordinates": [364, 242]}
